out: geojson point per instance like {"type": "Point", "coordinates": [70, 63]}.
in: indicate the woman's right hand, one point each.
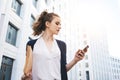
{"type": "Point", "coordinates": [28, 74]}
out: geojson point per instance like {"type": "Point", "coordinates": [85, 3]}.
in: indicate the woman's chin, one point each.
{"type": "Point", "coordinates": [56, 33]}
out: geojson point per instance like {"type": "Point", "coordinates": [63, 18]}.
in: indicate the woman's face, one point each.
{"type": "Point", "coordinates": [55, 25]}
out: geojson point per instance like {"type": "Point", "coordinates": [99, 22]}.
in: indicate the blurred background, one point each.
{"type": "Point", "coordinates": [84, 22]}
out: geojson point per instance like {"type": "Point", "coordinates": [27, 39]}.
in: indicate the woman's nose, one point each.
{"type": "Point", "coordinates": [59, 26]}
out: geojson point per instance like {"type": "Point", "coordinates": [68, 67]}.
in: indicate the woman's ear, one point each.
{"type": "Point", "coordinates": [47, 23]}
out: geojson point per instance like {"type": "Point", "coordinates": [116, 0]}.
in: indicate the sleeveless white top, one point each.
{"type": "Point", "coordinates": [46, 63]}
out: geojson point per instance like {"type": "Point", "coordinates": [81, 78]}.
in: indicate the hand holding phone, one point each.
{"type": "Point", "coordinates": [86, 48]}
{"type": "Point", "coordinates": [80, 54]}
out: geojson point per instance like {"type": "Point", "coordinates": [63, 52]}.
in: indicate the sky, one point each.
{"type": "Point", "coordinates": [104, 14]}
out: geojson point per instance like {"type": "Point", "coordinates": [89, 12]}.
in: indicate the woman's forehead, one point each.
{"type": "Point", "coordinates": [56, 18]}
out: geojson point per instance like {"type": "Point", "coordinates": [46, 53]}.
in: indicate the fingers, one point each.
{"type": "Point", "coordinates": [28, 74]}
{"type": "Point", "coordinates": [80, 54]}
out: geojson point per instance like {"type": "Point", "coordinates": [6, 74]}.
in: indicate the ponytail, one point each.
{"type": "Point", "coordinates": [39, 25]}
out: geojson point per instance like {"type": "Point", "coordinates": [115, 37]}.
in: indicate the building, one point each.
{"type": "Point", "coordinates": [98, 64]}
{"type": "Point", "coordinates": [100, 61]}
{"type": "Point", "coordinates": [115, 67]}
{"type": "Point", "coordinates": [16, 18]}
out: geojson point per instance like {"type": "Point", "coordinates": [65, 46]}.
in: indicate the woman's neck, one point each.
{"type": "Point", "coordinates": [47, 37]}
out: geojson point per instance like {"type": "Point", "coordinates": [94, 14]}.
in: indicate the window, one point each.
{"type": "Point", "coordinates": [87, 75]}
{"type": "Point", "coordinates": [79, 73]}
{"type": "Point", "coordinates": [53, 8]}
{"type": "Point", "coordinates": [79, 65]}
{"type": "Point", "coordinates": [6, 68]}
{"type": "Point", "coordinates": [11, 34]}
{"type": "Point", "coordinates": [86, 57]}
{"type": "Point", "coordinates": [85, 42]}
{"type": "Point", "coordinates": [46, 1]}
{"type": "Point", "coordinates": [86, 65]}
{"type": "Point", "coordinates": [16, 5]}
{"type": "Point", "coordinates": [32, 20]}
{"type": "Point", "coordinates": [35, 2]}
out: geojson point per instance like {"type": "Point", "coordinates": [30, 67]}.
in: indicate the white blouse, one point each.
{"type": "Point", "coordinates": [46, 63]}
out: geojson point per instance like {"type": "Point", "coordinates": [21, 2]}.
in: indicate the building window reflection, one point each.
{"type": "Point", "coordinates": [86, 65]}
{"type": "Point", "coordinates": [16, 5]}
{"type": "Point", "coordinates": [11, 34]}
{"type": "Point", "coordinates": [32, 20]}
{"type": "Point", "coordinates": [35, 3]}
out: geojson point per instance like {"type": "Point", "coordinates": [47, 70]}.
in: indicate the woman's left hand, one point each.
{"type": "Point", "coordinates": [79, 55]}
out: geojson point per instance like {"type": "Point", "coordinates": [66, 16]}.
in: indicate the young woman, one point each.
{"type": "Point", "coordinates": [46, 56]}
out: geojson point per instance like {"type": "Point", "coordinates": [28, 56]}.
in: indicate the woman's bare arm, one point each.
{"type": "Point", "coordinates": [79, 55]}
{"type": "Point", "coordinates": [28, 62]}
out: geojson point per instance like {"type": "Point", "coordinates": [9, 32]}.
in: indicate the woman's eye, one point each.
{"type": "Point", "coordinates": [57, 23]}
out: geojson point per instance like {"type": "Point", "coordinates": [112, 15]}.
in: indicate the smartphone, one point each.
{"type": "Point", "coordinates": [86, 48]}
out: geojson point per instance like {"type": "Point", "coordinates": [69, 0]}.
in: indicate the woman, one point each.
{"type": "Point", "coordinates": [46, 56]}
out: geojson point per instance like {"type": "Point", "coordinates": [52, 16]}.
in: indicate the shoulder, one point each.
{"type": "Point", "coordinates": [31, 42]}
{"type": "Point", "coordinates": [60, 41]}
